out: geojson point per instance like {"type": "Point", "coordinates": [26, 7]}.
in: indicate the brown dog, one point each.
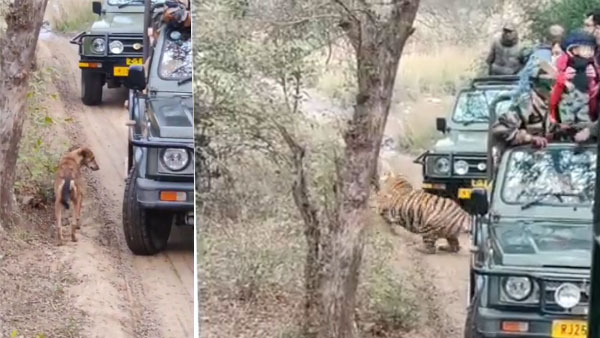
{"type": "Point", "coordinates": [69, 185]}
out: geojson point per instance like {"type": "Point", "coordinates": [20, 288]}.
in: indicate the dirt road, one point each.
{"type": "Point", "coordinates": [122, 294]}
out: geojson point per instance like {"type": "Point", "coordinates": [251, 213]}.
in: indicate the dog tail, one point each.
{"type": "Point", "coordinates": [65, 194]}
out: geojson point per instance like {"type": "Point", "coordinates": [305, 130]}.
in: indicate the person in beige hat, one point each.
{"type": "Point", "coordinates": [505, 57]}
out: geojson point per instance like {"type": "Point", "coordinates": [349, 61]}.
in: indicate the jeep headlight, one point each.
{"type": "Point", "coordinates": [98, 45]}
{"type": "Point", "coordinates": [175, 159]}
{"type": "Point", "coordinates": [438, 166]}
{"type": "Point", "coordinates": [518, 288]}
{"type": "Point", "coordinates": [461, 167]}
{"type": "Point", "coordinates": [116, 47]}
{"type": "Point", "coordinates": [567, 295]}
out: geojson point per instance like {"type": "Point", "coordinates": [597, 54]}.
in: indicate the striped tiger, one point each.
{"type": "Point", "coordinates": [434, 217]}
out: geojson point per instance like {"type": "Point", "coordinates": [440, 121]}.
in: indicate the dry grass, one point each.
{"type": "Point", "coordinates": [439, 71]}
{"type": "Point", "coordinates": [69, 16]}
{"type": "Point", "coordinates": [252, 254]}
{"type": "Point", "coordinates": [412, 124]}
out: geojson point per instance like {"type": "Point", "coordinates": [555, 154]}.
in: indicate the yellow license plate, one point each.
{"type": "Point", "coordinates": [134, 61]}
{"type": "Point", "coordinates": [569, 329]}
{"type": "Point", "coordinates": [121, 71]}
{"type": "Point", "coordinates": [464, 193]}
{"type": "Point", "coordinates": [479, 184]}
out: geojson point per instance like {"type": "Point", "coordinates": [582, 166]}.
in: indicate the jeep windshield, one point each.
{"type": "Point", "coordinates": [176, 59]}
{"type": "Point", "coordinates": [554, 243]}
{"type": "Point", "coordinates": [472, 106]}
{"type": "Point", "coordinates": [552, 176]}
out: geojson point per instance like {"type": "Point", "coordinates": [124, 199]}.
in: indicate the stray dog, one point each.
{"type": "Point", "coordinates": [69, 185]}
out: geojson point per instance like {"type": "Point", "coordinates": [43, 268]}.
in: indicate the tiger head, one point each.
{"type": "Point", "coordinates": [392, 183]}
{"type": "Point", "coordinates": [390, 186]}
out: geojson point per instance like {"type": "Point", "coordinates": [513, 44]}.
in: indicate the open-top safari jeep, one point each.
{"type": "Point", "coordinates": [531, 238]}
{"type": "Point", "coordinates": [110, 46]}
{"type": "Point", "coordinates": [457, 163]}
{"type": "Point", "coordinates": [160, 186]}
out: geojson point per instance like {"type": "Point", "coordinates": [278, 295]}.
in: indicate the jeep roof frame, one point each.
{"type": "Point", "coordinates": [138, 139]}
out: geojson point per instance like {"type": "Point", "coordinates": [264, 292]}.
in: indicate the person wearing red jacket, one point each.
{"type": "Point", "coordinates": [574, 98]}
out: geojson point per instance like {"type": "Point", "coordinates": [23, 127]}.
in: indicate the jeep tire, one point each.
{"type": "Point", "coordinates": [470, 324]}
{"type": "Point", "coordinates": [91, 87]}
{"type": "Point", "coordinates": [146, 231]}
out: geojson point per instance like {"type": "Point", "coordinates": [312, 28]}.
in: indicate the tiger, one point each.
{"type": "Point", "coordinates": [432, 216]}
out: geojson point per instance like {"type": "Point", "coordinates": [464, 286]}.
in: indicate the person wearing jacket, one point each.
{"type": "Point", "coordinates": [524, 122]}
{"type": "Point", "coordinates": [574, 98]}
{"type": "Point", "coordinates": [506, 54]}
{"type": "Point", "coordinates": [549, 51]}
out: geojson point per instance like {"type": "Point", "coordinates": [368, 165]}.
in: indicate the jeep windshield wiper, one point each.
{"type": "Point", "coordinates": [541, 197]}
{"type": "Point", "coordinates": [128, 3]}
{"type": "Point", "coordinates": [182, 81]}
{"type": "Point", "coordinates": [468, 123]}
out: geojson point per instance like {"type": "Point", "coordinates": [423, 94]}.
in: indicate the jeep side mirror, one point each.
{"type": "Point", "coordinates": [136, 79]}
{"type": "Point", "coordinates": [440, 124]}
{"type": "Point", "coordinates": [479, 202]}
{"type": "Point", "coordinates": [97, 7]}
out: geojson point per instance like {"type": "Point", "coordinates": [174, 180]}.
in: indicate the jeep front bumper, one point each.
{"type": "Point", "coordinates": [113, 68]}
{"type": "Point", "coordinates": [113, 65]}
{"type": "Point", "coordinates": [490, 323]}
{"type": "Point", "coordinates": [454, 188]}
{"type": "Point", "coordinates": [168, 196]}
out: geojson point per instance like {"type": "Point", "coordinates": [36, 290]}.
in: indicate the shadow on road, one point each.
{"type": "Point", "coordinates": [182, 239]}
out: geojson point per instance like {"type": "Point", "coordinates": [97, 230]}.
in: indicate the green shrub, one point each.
{"type": "Point", "coordinates": [568, 13]}
{"type": "Point", "coordinates": [40, 149]}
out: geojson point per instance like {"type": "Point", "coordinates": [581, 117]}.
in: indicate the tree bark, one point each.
{"type": "Point", "coordinates": [378, 46]}
{"type": "Point", "coordinates": [23, 22]}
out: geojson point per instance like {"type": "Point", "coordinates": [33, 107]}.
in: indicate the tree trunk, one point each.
{"type": "Point", "coordinates": [23, 22]}
{"type": "Point", "coordinates": [378, 47]}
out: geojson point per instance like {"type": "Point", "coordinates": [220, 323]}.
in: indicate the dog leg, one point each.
{"type": "Point", "coordinates": [77, 219]}
{"type": "Point", "coordinates": [78, 213]}
{"type": "Point", "coordinates": [76, 197]}
{"type": "Point", "coordinates": [58, 213]}
{"type": "Point", "coordinates": [73, 230]}
{"type": "Point", "coordinates": [78, 205]}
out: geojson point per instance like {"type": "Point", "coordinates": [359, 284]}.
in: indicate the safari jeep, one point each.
{"type": "Point", "coordinates": [457, 163]}
{"type": "Point", "coordinates": [159, 189]}
{"type": "Point", "coordinates": [531, 245]}
{"type": "Point", "coordinates": [111, 45]}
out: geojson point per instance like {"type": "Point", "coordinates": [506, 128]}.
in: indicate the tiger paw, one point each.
{"type": "Point", "coordinates": [448, 248]}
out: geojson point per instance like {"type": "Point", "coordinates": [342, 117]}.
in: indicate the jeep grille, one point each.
{"type": "Point", "coordinates": [128, 42]}
{"type": "Point", "coordinates": [473, 163]}
{"type": "Point", "coordinates": [549, 305]}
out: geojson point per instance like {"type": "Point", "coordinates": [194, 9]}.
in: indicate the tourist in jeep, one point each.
{"type": "Point", "coordinates": [574, 97]}
{"type": "Point", "coordinates": [592, 24]}
{"type": "Point", "coordinates": [549, 51]}
{"type": "Point", "coordinates": [523, 123]}
{"type": "Point", "coordinates": [550, 48]}
{"type": "Point", "coordinates": [506, 54]}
